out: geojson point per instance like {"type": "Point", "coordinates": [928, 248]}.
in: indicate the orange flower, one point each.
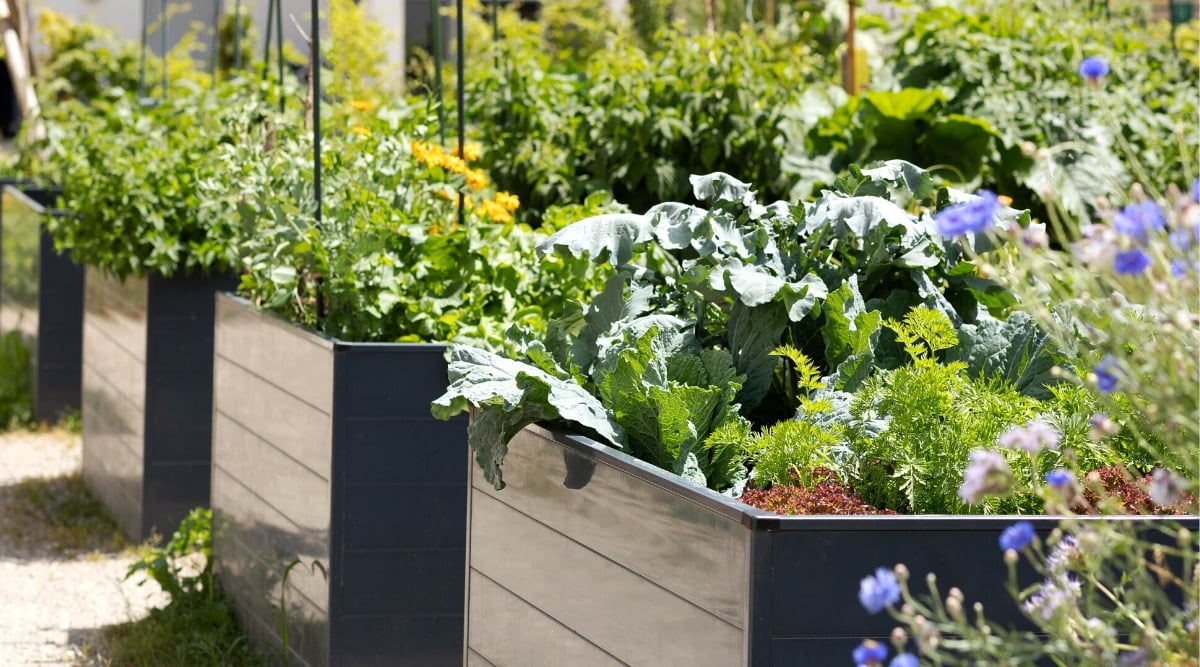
{"type": "Point", "coordinates": [477, 179]}
{"type": "Point", "coordinates": [360, 131]}
{"type": "Point", "coordinates": [508, 201]}
{"type": "Point", "coordinates": [361, 105]}
{"type": "Point", "coordinates": [452, 163]}
{"type": "Point", "coordinates": [1004, 199]}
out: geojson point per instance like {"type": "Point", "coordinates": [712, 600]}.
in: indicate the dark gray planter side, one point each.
{"type": "Point", "coordinates": [326, 451]}
{"type": "Point", "coordinates": [591, 557]}
{"type": "Point", "coordinates": [41, 295]}
{"type": "Point", "coordinates": [147, 396]}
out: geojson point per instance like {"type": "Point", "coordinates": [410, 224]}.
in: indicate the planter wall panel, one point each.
{"type": "Point", "coordinates": [799, 578]}
{"type": "Point", "coordinates": [666, 546]}
{"type": "Point", "coordinates": [147, 387]}
{"type": "Point", "coordinates": [392, 499]}
{"type": "Point", "coordinates": [501, 625]}
{"type": "Point", "coordinates": [645, 571]}
{"type": "Point", "coordinates": [41, 295]}
{"type": "Point", "coordinates": [114, 392]}
{"type": "Point", "coordinates": [303, 435]}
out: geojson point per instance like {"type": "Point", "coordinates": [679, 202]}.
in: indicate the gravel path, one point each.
{"type": "Point", "coordinates": [51, 605]}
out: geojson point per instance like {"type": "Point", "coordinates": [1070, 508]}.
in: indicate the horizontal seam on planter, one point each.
{"type": "Point", "coordinates": [291, 586]}
{"type": "Point", "coordinates": [362, 617]}
{"type": "Point", "coordinates": [424, 485]}
{"type": "Point", "coordinates": [623, 567]}
{"type": "Point", "coordinates": [287, 518]}
{"type": "Point", "coordinates": [400, 550]}
{"type": "Point", "coordinates": [270, 444]}
{"type": "Point", "coordinates": [540, 611]}
{"type": "Point", "coordinates": [267, 381]}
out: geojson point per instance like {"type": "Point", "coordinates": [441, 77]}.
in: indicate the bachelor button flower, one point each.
{"type": "Point", "coordinates": [1137, 219]}
{"type": "Point", "coordinates": [1178, 268]}
{"type": "Point", "coordinates": [1102, 425]}
{"type": "Point", "coordinates": [904, 660]}
{"type": "Point", "coordinates": [1131, 262]}
{"type": "Point", "coordinates": [1093, 68]}
{"type": "Point", "coordinates": [1057, 479]}
{"type": "Point", "coordinates": [974, 215]}
{"type": "Point", "coordinates": [1196, 190]}
{"type": "Point", "coordinates": [879, 591]}
{"type": "Point", "coordinates": [1164, 487]}
{"type": "Point", "coordinates": [1106, 374]}
{"type": "Point", "coordinates": [870, 653]}
{"type": "Point", "coordinates": [1033, 438]}
{"type": "Point", "coordinates": [1017, 536]}
{"type": "Point", "coordinates": [987, 473]}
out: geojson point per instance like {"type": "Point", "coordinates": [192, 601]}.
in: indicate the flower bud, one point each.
{"type": "Point", "coordinates": [1011, 557]}
{"type": "Point", "coordinates": [899, 637]}
{"type": "Point", "coordinates": [1028, 148]}
{"type": "Point", "coordinates": [954, 607]}
{"type": "Point", "coordinates": [901, 572]}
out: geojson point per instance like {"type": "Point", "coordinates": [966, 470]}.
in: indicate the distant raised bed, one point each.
{"type": "Point", "coordinates": [325, 451]}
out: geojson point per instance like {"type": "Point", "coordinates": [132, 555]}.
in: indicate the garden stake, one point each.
{"type": "Point", "coordinates": [460, 97]}
{"type": "Point", "coordinates": [436, 37]}
{"type": "Point", "coordinates": [314, 72]}
{"type": "Point", "coordinates": [216, 44]}
{"type": "Point", "coordinates": [237, 34]}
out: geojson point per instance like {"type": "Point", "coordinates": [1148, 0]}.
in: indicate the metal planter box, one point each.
{"type": "Point", "coordinates": [591, 557]}
{"type": "Point", "coordinates": [41, 296]}
{"type": "Point", "coordinates": [147, 396]}
{"type": "Point", "coordinates": [325, 451]}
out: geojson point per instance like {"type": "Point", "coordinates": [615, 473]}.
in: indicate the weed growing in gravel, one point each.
{"type": "Point", "coordinates": [58, 514]}
{"type": "Point", "coordinates": [197, 627]}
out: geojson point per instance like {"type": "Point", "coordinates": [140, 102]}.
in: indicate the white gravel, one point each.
{"type": "Point", "coordinates": [50, 605]}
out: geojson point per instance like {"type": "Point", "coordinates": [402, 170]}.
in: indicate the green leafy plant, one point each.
{"type": "Point", "coordinates": [634, 122]}
{"type": "Point", "coordinates": [389, 260]}
{"type": "Point", "coordinates": [144, 210]}
{"type": "Point", "coordinates": [739, 278]}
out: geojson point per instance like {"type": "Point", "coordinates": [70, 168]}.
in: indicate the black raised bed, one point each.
{"type": "Point", "coordinates": [591, 557]}
{"type": "Point", "coordinates": [147, 396]}
{"type": "Point", "coordinates": [41, 296]}
{"type": "Point", "coordinates": [325, 451]}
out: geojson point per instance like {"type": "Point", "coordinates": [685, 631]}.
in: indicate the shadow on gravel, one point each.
{"type": "Point", "coordinates": [54, 517]}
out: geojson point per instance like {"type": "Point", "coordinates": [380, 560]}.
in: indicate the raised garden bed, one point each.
{"type": "Point", "coordinates": [41, 296]}
{"type": "Point", "coordinates": [147, 396]}
{"type": "Point", "coordinates": [324, 451]}
{"type": "Point", "coordinates": [592, 557]}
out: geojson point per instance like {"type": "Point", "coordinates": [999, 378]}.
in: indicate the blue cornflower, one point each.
{"type": "Point", "coordinates": [1059, 478]}
{"type": "Point", "coordinates": [1181, 238]}
{"type": "Point", "coordinates": [870, 653]}
{"type": "Point", "coordinates": [974, 215]}
{"type": "Point", "coordinates": [879, 591]}
{"type": "Point", "coordinates": [904, 660]}
{"type": "Point", "coordinates": [1092, 68]}
{"type": "Point", "coordinates": [1196, 190]}
{"type": "Point", "coordinates": [1106, 374]}
{"type": "Point", "coordinates": [1137, 219]}
{"type": "Point", "coordinates": [1131, 262]}
{"type": "Point", "coordinates": [1016, 536]}
{"type": "Point", "coordinates": [1178, 268]}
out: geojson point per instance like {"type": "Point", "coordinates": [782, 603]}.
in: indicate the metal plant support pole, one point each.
{"type": "Point", "coordinates": [435, 27]}
{"type": "Point", "coordinates": [142, 56]}
{"type": "Point", "coordinates": [162, 17]}
{"type": "Point", "coordinates": [315, 73]}
{"type": "Point", "coordinates": [461, 98]}
{"type": "Point", "coordinates": [237, 35]}
{"type": "Point", "coordinates": [216, 44]}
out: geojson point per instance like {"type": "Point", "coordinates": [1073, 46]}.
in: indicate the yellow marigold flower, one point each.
{"type": "Point", "coordinates": [508, 201]}
{"type": "Point", "coordinates": [477, 179]}
{"type": "Point", "coordinates": [361, 105]}
{"type": "Point", "coordinates": [360, 131]}
{"type": "Point", "coordinates": [493, 210]}
{"type": "Point", "coordinates": [452, 163]}
{"type": "Point", "coordinates": [446, 194]}
{"type": "Point", "coordinates": [470, 152]}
